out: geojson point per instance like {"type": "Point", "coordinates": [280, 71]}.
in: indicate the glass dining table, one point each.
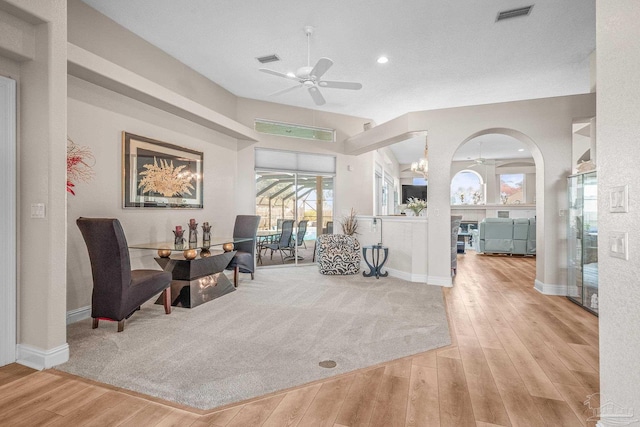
{"type": "Point", "coordinates": [195, 279]}
{"type": "Point", "coordinates": [263, 238]}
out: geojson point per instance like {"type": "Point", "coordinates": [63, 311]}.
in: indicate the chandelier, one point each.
{"type": "Point", "coordinates": [422, 165]}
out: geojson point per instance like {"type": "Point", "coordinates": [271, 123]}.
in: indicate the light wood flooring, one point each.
{"type": "Point", "coordinates": [518, 358]}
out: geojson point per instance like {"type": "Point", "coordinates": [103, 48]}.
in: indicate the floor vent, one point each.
{"type": "Point", "coordinates": [327, 364]}
{"type": "Point", "coordinates": [514, 13]}
{"type": "Point", "coordinates": [268, 58]}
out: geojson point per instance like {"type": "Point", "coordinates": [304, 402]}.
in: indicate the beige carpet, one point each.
{"type": "Point", "coordinates": [268, 335]}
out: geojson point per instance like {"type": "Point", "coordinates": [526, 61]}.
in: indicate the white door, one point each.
{"type": "Point", "coordinates": [8, 221]}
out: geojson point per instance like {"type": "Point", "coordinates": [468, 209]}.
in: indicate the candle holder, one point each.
{"type": "Point", "coordinates": [206, 232]}
{"type": "Point", "coordinates": [178, 234]}
{"type": "Point", "coordinates": [193, 232]}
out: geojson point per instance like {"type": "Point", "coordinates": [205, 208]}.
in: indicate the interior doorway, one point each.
{"type": "Point", "coordinates": [494, 178]}
{"type": "Point", "coordinates": [295, 207]}
{"type": "Point", "coordinates": [8, 219]}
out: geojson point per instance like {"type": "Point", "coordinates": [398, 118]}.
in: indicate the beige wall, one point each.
{"type": "Point", "coordinates": [97, 118]}
{"type": "Point", "coordinates": [543, 125]}
{"type": "Point", "coordinates": [42, 121]}
{"type": "Point", "coordinates": [618, 151]}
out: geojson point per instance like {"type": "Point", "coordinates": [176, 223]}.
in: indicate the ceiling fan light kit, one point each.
{"type": "Point", "coordinates": [309, 77]}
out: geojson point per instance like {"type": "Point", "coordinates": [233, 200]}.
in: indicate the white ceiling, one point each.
{"type": "Point", "coordinates": [441, 53]}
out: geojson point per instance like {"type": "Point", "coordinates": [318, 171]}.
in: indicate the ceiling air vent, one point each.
{"type": "Point", "coordinates": [514, 13]}
{"type": "Point", "coordinates": [295, 131]}
{"type": "Point", "coordinates": [268, 58]}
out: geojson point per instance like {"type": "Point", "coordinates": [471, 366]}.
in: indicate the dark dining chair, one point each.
{"type": "Point", "coordinates": [243, 261]}
{"type": "Point", "coordinates": [284, 242]}
{"type": "Point", "coordinates": [118, 291]}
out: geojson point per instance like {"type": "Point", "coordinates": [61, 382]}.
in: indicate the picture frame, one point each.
{"type": "Point", "coordinates": [157, 174]}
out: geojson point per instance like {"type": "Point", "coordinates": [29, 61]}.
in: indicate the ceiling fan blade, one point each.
{"type": "Point", "coordinates": [279, 74]}
{"type": "Point", "coordinates": [286, 90]}
{"type": "Point", "coordinates": [317, 96]}
{"type": "Point", "coordinates": [340, 85]}
{"type": "Point", "coordinates": [321, 67]}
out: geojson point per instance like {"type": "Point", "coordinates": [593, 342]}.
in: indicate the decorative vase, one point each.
{"type": "Point", "coordinates": [164, 253]}
{"type": "Point", "coordinates": [190, 254]}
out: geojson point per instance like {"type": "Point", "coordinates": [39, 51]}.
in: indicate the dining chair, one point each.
{"type": "Point", "coordinates": [302, 230]}
{"type": "Point", "coordinates": [118, 291]}
{"type": "Point", "coordinates": [243, 261]}
{"type": "Point", "coordinates": [284, 242]}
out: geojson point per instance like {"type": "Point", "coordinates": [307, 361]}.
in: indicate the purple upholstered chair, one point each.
{"type": "Point", "coordinates": [118, 291]}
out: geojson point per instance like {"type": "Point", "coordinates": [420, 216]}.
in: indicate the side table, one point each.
{"type": "Point", "coordinates": [375, 266]}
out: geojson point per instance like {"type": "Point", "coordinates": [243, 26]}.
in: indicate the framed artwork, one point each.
{"type": "Point", "coordinates": [156, 174]}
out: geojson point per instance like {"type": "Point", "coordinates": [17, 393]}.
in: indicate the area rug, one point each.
{"type": "Point", "coordinates": [268, 335]}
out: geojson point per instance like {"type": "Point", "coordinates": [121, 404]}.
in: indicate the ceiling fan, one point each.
{"type": "Point", "coordinates": [309, 77]}
{"type": "Point", "coordinates": [479, 160]}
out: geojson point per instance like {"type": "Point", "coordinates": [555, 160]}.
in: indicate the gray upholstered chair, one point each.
{"type": "Point", "coordinates": [455, 227]}
{"type": "Point", "coordinates": [118, 291]}
{"type": "Point", "coordinates": [244, 259]}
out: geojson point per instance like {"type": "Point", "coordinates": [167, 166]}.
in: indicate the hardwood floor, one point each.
{"type": "Point", "coordinates": [518, 358]}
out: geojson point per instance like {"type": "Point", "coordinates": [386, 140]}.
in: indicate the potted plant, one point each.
{"type": "Point", "coordinates": [350, 223]}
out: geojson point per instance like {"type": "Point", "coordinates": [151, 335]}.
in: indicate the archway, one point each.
{"type": "Point", "coordinates": [536, 154]}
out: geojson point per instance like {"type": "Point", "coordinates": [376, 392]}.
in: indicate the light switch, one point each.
{"type": "Point", "coordinates": [618, 245]}
{"type": "Point", "coordinates": [38, 210]}
{"type": "Point", "coordinates": [619, 199]}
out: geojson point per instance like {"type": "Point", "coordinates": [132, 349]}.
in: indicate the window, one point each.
{"type": "Point", "coordinates": [512, 188]}
{"type": "Point", "coordinates": [295, 131]}
{"type": "Point", "coordinates": [467, 188]}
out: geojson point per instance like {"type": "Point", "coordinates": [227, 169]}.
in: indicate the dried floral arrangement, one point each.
{"type": "Point", "coordinates": [80, 162]}
{"type": "Point", "coordinates": [350, 223]}
{"type": "Point", "coordinates": [166, 179]}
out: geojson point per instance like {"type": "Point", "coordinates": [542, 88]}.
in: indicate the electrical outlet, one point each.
{"type": "Point", "coordinates": [38, 210]}
{"type": "Point", "coordinates": [618, 245]}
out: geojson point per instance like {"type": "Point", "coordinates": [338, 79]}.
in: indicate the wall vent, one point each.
{"type": "Point", "coordinates": [295, 131]}
{"type": "Point", "coordinates": [514, 13]}
{"type": "Point", "coordinates": [268, 58]}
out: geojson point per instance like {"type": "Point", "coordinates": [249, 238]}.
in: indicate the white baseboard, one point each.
{"type": "Point", "coordinates": [78, 314]}
{"type": "Point", "coordinates": [440, 281]}
{"type": "Point", "coordinates": [41, 359]}
{"type": "Point", "coordinates": [418, 278]}
{"type": "Point", "coordinates": [550, 289]}
{"type": "Point", "coordinates": [624, 419]}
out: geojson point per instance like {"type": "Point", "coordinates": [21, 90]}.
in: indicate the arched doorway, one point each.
{"type": "Point", "coordinates": [513, 178]}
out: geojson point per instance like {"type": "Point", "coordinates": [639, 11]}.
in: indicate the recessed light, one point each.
{"type": "Point", "coordinates": [383, 60]}
{"type": "Point", "coordinates": [290, 74]}
{"type": "Point", "coordinates": [521, 149]}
